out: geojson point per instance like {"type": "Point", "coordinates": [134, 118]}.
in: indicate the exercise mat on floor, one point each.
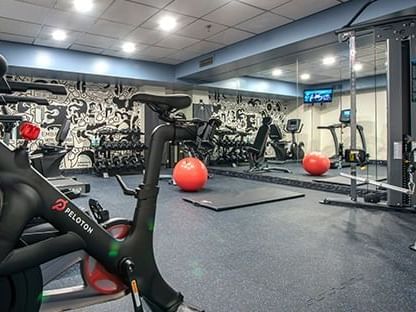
{"type": "Point", "coordinates": [221, 199]}
{"type": "Point", "coordinates": [344, 181]}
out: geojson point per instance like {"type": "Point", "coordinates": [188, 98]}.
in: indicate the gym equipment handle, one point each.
{"type": "Point", "coordinates": [20, 86]}
{"type": "Point", "coordinates": [127, 191]}
{"type": "Point", "coordinates": [14, 99]}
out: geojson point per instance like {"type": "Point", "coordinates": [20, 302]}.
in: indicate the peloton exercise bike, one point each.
{"type": "Point", "coordinates": [47, 158]}
{"type": "Point", "coordinates": [127, 259]}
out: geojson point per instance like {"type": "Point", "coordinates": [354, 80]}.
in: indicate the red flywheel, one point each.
{"type": "Point", "coordinates": [96, 276]}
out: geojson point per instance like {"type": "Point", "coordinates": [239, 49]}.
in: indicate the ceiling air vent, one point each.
{"type": "Point", "coordinates": [206, 62]}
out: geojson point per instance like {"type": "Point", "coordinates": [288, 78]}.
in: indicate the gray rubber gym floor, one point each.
{"type": "Point", "coordinates": [294, 255]}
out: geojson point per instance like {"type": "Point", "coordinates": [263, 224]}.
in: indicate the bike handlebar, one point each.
{"type": "Point", "coordinates": [14, 99]}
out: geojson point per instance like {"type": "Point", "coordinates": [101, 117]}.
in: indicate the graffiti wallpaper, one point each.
{"type": "Point", "coordinates": [246, 113]}
{"type": "Point", "coordinates": [90, 107]}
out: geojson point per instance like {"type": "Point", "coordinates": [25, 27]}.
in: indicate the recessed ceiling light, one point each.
{"type": "Point", "coordinates": [167, 23]}
{"type": "Point", "coordinates": [83, 6]}
{"type": "Point", "coordinates": [358, 66]}
{"type": "Point", "coordinates": [277, 72]}
{"type": "Point", "coordinates": [328, 60]}
{"type": "Point", "coordinates": [59, 35]}
{"type": "Point", "coordinates": [129, 47]}
{"type": "Point", "coordinates": [305, 76]}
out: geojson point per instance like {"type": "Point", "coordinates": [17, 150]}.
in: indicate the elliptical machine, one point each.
{"type": "Point", "coordinates": [295, 151]}
{"type": "Point", "coordinates": [127, 260]}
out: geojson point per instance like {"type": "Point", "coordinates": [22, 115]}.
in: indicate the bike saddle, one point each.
{"type": "Point", "coordinates": [163, 102]}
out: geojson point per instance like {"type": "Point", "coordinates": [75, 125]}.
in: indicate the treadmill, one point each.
{"type": "Point", "coordinates": [337, 160]}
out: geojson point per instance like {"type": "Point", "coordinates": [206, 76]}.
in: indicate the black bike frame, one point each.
{"type": "Point", "coordinates": [27, 194]}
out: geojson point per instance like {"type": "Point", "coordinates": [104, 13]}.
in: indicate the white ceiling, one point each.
{"type": "Point", "coordinates": [203, 25]}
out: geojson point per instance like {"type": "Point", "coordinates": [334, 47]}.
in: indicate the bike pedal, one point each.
{"type": "Point", "coordinates": [100, 214]}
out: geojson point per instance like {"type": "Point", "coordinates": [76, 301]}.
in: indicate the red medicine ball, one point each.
{"type": "Point", "coordinates": [316, 163]}
{"type": "Point", "coordinates": [190, 174]}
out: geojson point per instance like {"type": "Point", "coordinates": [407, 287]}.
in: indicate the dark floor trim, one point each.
{"type": "Point", "coordinates": [362, 205]}
{"type": "Point", "coordinates": [78, 171]}
{"type": "Point", "coordinates": [325, 187]}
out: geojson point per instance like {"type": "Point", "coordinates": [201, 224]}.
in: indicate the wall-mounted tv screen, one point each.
{"type": "Point", "coordinates": [318, 96]}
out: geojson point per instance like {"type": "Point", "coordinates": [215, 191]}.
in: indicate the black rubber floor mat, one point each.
{"type": "Point", "coordinates": [220, 200]}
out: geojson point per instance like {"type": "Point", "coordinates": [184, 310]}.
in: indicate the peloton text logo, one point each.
{"type": "Point", "coordinates": [62, 205]}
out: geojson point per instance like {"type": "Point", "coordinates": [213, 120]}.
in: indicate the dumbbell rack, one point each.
{"type": "Point", "coordinates": [119, 152]}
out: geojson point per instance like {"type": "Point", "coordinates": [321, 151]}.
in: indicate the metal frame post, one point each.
{"type": "Point", "coordinates": [412, 90]}
{"type": "Point", "coordinates": [394, 120]}
{"type": "Point", "coordinates": [353, 124]}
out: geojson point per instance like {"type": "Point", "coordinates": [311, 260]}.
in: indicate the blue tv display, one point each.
{"type": "Point", "coordinates": [318, 96]}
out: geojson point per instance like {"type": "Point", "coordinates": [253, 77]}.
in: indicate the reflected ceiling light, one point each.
{"type": "Point", "coordinates": [59, 35]}
{"type": "Point", "coordinates": [328, 60]}
{"type": "Point", "coordinates": [100, 67]}
{"type": "Point", "coordinates": [305, 76]}
{"type": "Point", "coordinates": [167, 23]}
{"type": "Point", "coordinates": [358, 66]}
{"type": "Point", "coordinates": [277, 72]}
{"type": "Point", "coordinates": [83, 6]}
{"type": "Point", "coordinates": [262, 86]}
{"type": "Point", "coordinates": [129, 47]}
{"type": "Point", "coordinates": [43, 59]}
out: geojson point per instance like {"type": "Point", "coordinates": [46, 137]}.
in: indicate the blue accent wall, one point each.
{"type": "Point", "coordinates": [51, 59]}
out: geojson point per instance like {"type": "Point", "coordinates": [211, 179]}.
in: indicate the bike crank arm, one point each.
{"type": "Point", "coordinates": [128, 266]}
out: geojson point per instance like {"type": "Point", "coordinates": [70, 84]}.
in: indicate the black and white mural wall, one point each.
{"type": "Point", "coordinates": [246, 112]}
{"type": "Point", "coordinates": [90, 107]}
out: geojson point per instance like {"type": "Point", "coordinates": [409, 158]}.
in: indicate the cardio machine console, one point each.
{"type": "Point", "coordinates": [345, 116]}
{"type": "Point", "coordinates": [293, 125]}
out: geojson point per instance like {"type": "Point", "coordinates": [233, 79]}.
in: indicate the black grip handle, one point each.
{"type": "Point", "coordinates": [14, 99]}
{"type": "Point", "coordinates": [21, 86]}
{"type": "Point", "coordinates": [126, 190]}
